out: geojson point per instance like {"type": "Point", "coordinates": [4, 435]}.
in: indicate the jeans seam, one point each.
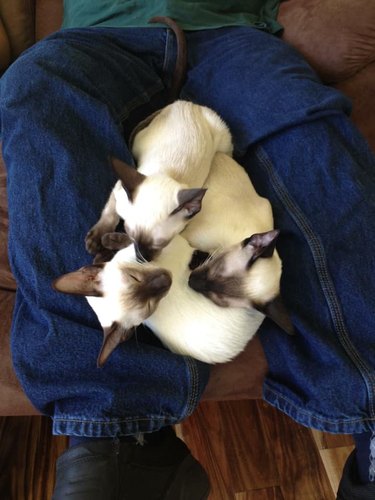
{"type": "Point", "coordinates": [313, 415]}
{"type": "Point", "coordinates": [91, 428]}
{"type": "Point", "coordinates": [151, 91]}
{"type": "Point", "coordinates": [322, 272]}
{"type": "Point", "coordinates": [141, 99]}
{"type": "Point", "coordinates": [112, 421]}
{"type": "Point", "coordinates": [193, 394]}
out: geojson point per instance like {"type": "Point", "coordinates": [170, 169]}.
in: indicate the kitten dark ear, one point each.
{"type": "Point", "coordinates": [113, 336]}
{"type": "Point", "coordinates": [85, 281]}
{"type": "Point", "coordinates": [129, 176]}
{"type": "Point", "coordinates": [190, 200]}
{"type": "Point", "coordinates": [276, 310]}
{"type": "Point", "coordinates": [262, 244]}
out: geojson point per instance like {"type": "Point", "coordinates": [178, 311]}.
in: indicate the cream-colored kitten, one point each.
{"type": "Point", "coordinates": [236, 226]}
{"type": "Point", "coordinates": [157, 294]}
{"type": "Point", "coordinates": [174, 152]}
{"type": "Point", "coordinates": [121, 292]}
{"type": "Point", "coordinates": [188, 323]}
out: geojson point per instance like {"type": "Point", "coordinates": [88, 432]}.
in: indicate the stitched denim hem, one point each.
{"type": "Point", "coordinates": [111, 427]}
{"type": "Point", "coordinates": [321, 267]}
{"type": "Point", "coordinates": [195, 391]}
{"type": "Point", "coordinates": [75, 426]}
{"type": "Point", "coordinates": [315, 421]}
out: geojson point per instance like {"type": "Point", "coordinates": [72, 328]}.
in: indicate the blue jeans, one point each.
{"type": "Point", "coordinates": [67, 103]}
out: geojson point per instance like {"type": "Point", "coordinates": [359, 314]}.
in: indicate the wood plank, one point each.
{"type": "Point", "coordinates": [247, 449]}
{"type": "Point", "coordinates": [325, 440]}
{"type": "Point", "coordinates": [28, 455]}
{"type": "Point", "coordinates": [334, 460]}
{"type": "Point", "coordinates": [231, 446]}
{"type": "Point", "coordinates": [250, 450]}
{"type": "Point", "coordinates": [203, 434]}
{"type": "Point", "coordinates": [195, 438]}
{"type": "Point", "coordinates": [264, 494]}
{"type": "Point", "coordinates": [298, 460]}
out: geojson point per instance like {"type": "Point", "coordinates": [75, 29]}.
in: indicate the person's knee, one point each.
{"type": "Point", "coordinates": [31, 74]}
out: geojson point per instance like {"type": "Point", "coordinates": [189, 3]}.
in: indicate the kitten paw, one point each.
{"type": "Point", "coordinates": [104, 256]}
{"type": "Point", "coordinates": [115, 241]}
{"type": "Point", "coordinates": [93, 240]}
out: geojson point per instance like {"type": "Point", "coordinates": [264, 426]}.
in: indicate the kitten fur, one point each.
{"type": "Point", "coordinates": [122, 293]}
{"type": "Point", "coordinates": [235, 224]}
{"type": "Point", "coordinates": [173, 152]}
{"type": "Point", "coordinates": [190, 324]}
{"type": "Point", "coordinates": [185, 321]}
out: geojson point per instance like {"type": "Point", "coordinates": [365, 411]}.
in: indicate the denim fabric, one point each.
{"type": "Point", "coordinates": [293, 136]}
{"type": "Point", "coordinates": [65, 105]}
{"type": "Point", "coordinates": [62, 107]}
{"type": "Point", "coordinates": [323, 201]}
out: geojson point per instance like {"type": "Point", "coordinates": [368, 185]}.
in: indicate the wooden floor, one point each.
{"type": "Point", "coordinates": [254, 452]}
{"type": "Point", "coordinates": [250, 450]}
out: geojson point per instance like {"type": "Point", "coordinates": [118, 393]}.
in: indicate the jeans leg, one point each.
{"type": "Point", "coordinates": [294, 138]}
{"type": "Point", "coordinates": [63, 105]}
{"type": "Point", "coordinates": [319, 178]}
{"type": "Point", "coordinates": [256, 82]}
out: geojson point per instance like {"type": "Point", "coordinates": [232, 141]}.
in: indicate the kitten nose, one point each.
{"type": "Point", "coordinates": [198, 281]}
{"type": "Point", "coordinates": [160, 283]}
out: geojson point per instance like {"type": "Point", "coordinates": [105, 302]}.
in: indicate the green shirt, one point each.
{"type": "Point", "coordinates": [189, 14]}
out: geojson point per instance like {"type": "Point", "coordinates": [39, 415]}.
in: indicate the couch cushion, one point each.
{"type": "Point", "coordinates": [48, 17]}
{"type": "Point", "coordinates": [13, 400]}
{"type": "Point", "coordinates": [361, 90]}
{"type": "Point", "coordinates": [18, 19]}
{"type": "Point", "coordinates": [337, 37]}
{"type": "Point", "coordinates": [6, 278]}
{"type": "Point", "coordinates": [5, 54]}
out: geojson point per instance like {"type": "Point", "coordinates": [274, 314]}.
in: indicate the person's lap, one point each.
{"type": "Point", "coordinates": [63, 103]}
{"type": "Point", "coordinates": [294, 138]}
{"type": "Point", "coordinates": [286, 125]}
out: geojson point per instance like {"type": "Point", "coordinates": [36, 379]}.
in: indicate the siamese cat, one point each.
{"type": "Point", "coordinates": [127, 293]}
{"type": "Point", "coordinates": [235, 225]}
{"type": "Point", "coordinates": [190, 324]}
{"type": "Point", "coordinates": [121, 292]}
{"type": "Point", "coordinates": [173, 149]}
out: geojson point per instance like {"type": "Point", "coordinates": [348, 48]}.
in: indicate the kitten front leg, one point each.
{"type": "Point", "coordinates": [111, 244]}
{"type": "Point", "coordinates": [116, 241]}
{"type": "Point", "coordinates": [106, 224]}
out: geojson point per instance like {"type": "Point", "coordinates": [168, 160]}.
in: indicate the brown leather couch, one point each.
{"type": "Point", "coordinates": [337, 37]}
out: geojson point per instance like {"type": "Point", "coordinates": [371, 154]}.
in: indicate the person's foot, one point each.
{"type": "Point", "coordinates": [350, 487]}
{"type": "Point", "coordinates": [162, 468]}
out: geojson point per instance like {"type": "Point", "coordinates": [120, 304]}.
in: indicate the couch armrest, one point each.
{"type": "Point", "coordinates": [360, 88]}
{"type": "Point", "coordinates": [13, 400]}
{"type": "Point", "coordinates": [337, 37]}
{"type": "Point", "coordinates": [5, 56]}
{"type": "Point", "coordinates": [18, 20]}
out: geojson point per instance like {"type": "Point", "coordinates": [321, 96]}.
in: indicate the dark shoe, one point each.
{"type": "Point", "coordinates": [350, 487]}
{"type": "Point", "coordinates": [161, 469]}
